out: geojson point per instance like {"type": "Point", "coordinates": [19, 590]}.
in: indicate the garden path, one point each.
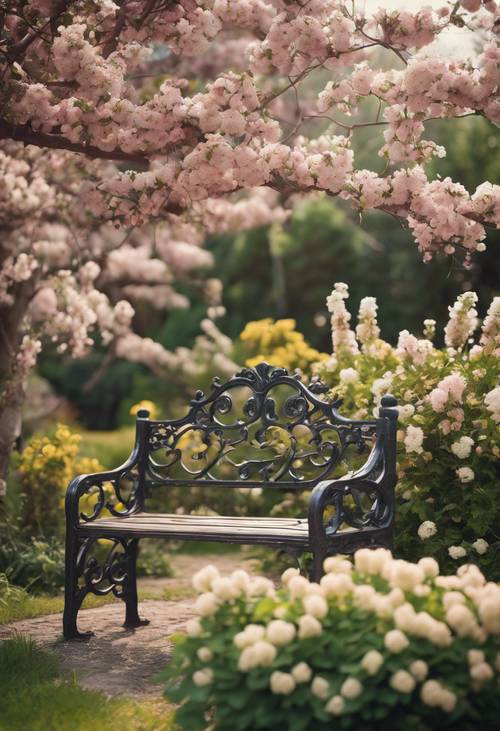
{"type": "Point", "coordinates": [118, 661]}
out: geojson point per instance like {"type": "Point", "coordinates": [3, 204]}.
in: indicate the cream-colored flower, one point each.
{"type": "Point", "coordinates": [289, 574]}
{"type": "Point", "coordinates": [402, 681]}
{"type": "Point", "coordinates": [351, 688]}
{"type": "Point", "coordinates": [419, 669]}
{"type": "Point", "coordinates": [337, 565]}
{"type": "Point", "coordinates": [320, 687]}
{"type": "Point", "coordinates": [475, 657]}
{"type": "Point", "coordinates": [202, 580]}
{"type": "Point", "coordinates": [372, 662]}
{"type": "Point", "coordinates": [249, 636]}
{"type": "Point", "coordinates": [309, 627]}
{"type": "Point", "coordinates": [261, 654]}
{"type": "Point", "coordinates": [193, 627]}
{"type": "Point", "coordinates": [206, 604]}
{"type": "Point", "coordinates": [480, 546]}
{"type": "Point", "coordinates": [481, 671]}
{"type": "Point", "coordinates": [457, 552]}
{"type": "Point", "coordinates": [280, 632]}
{"type": "Point", "coordinates": [316, 606]}
{"type": "Point", "coordinates": [203, 677]}
{"type": "Point", "coordinates": [395, 640]}
{"type": "Point", "coordinates": [337, 584]}
{"type": "Point", "coordinates": [427, 529]}
{"type": "Point", "coordinates": [282, 683]}
{"type": "Point", "coordinates": [335, 705]}
{"type": "Point", "coordinates": [301, 672]}
{"type": "Point", "coordinates": [205, 654]}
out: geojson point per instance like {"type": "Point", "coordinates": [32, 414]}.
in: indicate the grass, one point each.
{"type": "Point", "coordinates": [29, 606]}
{"type": "Point", "coordinates": [111, 448]}
{"type": "Point", "coordinates": [35, 696]}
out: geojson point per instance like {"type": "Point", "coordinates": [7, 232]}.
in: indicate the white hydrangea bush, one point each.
{"type": "Point", "coordinates": [379, 643]}
{"type": "Point", "coordinates": [449, 423]}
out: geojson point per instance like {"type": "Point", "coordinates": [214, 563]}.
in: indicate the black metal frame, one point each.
{"type": "Point", "coordinates": [261, 420]}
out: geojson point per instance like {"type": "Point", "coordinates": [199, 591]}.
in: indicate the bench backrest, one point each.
{"type": "Point", "coordinates": [262, 426]}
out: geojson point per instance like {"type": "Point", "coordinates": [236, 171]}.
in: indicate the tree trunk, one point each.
{"type": "Point", "coordinates": [12, 386]}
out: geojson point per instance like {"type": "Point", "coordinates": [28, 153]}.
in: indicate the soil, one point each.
{"type": "Point", "coordinates": [121, 661]}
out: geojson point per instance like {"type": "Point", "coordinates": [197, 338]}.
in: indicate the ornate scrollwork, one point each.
{"type": "Point", "coordinates": [116, 494]}
{"type": "Point", "coordinates": [102, 566]}
{"type": "Point", "coordinates": [264, 424]}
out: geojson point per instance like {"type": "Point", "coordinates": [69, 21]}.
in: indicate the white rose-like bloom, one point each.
{"type": "Point", "coordinates": [260, 586]}
{"type": "Point", "coordinates": [462, 447]}
{"type": "Point", "coordinates": [289, 574]}
{"type": "Point", "coordinates": [452, 597]}
{"type": "Point", "coordinates": [351, 688]}
{"type": "Point", "coordinates": [402, 681]}
{"type": "Point", "coordinates": [262, 654]}
{"type": "Point", "coordinates": [372, 662]}
{"type": "Point", "coordinates": [348, 375]}
{"type": "Point", "coordinates": [205, 654]}
{"type": "Point", "coordinates": [372, 560]}
{"type": "Point", "coordinates": [203, 677]}
{"type": "Point", "coordinates": [250, 635]}
{"type": "Point", "coordinates": [282, 683]}
{"type": "Point", "coordinates": [337, 565]}
{"type": "Point", "coordinates": [364, 596]}
{"type": "Point", "coordinates": [280, 632]}
{"type": "Point", "coordinates": [309, 626]}
{"type": "Point", "coordinates": [406, 411]}
{"type": "Point", "coordinates": [224, 589]}
{"type": "Point", "coordinates": [429, 566]}
{"type": "Point", "coordinates": [335, 705]}
{"type": "Point", "coordinates": [316, 606]}
{"type": "Point", "coordinates": [481, 671]}
{"type": "Point", "coordinates": [475, 657]}
{"type": "Point", "coordinates": [298, 586]}
{"type": "Point", "coordinates": [461, 619]}
{"type": "Point", "coordinates": [457, 552]}
{"type": "Point", "coordinates": [193, 627]}
{"type": "Point", "coordinates": [320, 687]}
{"type": "Point", "coordinates": [202, 580]}
{"type": "Point", "coordinates": [206, 604]}
{"type": "Point", "coordinates": [419, 669]}
{"type": "Point", "coordinates": [489, 611]}
{"type": "Point", "coordinates": [427, 529]}
{"type": "Point", "coordinates": [465, 474]}
{"type": "Point", "coordinates": [336, 584]}
{"type": "Point", "coordinates": [240, 580]}
{"type": "Point", "coordinates": [395, 640]}
{"type": "Point", "coordinates": [480, 546]}
{"type": "Point", "coordinates": [301, 672]}
{"type": "Point", "coordinates": [403, 574]}
{"type": "Point", "coordinates": [414, 439]}
{"type": "Point", "coordinates": [492, 403]}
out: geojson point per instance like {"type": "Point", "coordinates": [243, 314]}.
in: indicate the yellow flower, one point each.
{"type": "Point", "coordinates": [49, 451]}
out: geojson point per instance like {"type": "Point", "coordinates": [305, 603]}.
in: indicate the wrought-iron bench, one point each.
{"type": "Point", "coordinates": [263, 428]}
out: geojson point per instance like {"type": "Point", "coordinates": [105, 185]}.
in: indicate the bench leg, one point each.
{"type": "Point", "coordinates": [73, 594]}
{"type": "Point", "coordinates": [129, 596]}
{"type": "Point", "coordinates": [317, 565]}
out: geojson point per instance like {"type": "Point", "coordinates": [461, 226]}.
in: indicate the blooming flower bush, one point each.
{"type": "Point", "coordinates": [379, 642]}
{"type": "Point", "coordinates": [449, 436]}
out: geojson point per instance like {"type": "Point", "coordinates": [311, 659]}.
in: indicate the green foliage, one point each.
{"type": "Point", "coordinates": [229, 667]}
{"type": "Point", "coordinates": [152, 559]}
{"type": "Point", "coordinates": [35, 696]}
{"type": "Point", "coordinates": [31, 562]}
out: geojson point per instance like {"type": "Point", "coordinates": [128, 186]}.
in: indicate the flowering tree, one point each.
{"type": "Point", "coordinates": [130, 116]}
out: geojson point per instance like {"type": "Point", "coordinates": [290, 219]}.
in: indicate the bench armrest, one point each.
{"type": "Point", "coordinates": [120, 491]}
{"type": "Point", "coordinates": [377, 478]}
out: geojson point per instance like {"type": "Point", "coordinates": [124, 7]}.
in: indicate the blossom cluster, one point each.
{"type": "Point", "coordinates": [395, 636]}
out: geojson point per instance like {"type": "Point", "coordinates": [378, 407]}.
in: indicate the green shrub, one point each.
{"type": "Point", "coordinates": [381, 644]}
{"type": "Point", "coordinates": [33, 563]}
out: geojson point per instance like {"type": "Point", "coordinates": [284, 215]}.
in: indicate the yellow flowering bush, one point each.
{"type": "Point", "coordinates": [278, 342]}
{"type": "Point", "coordinates": [46, 466]}
{"type": "Point", "coordinates": [380, 643]}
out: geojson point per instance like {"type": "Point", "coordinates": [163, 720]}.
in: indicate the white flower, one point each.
{"type": "Point", "coordinates": [206, 604]}
{"type": "Point", "coordinates": [475, 657]}
{"type": "Point", "coordinates": [282, 683]}
{"type": "Point", "coordinates": [414, 439]}
{"type": "Point", "coordinates": [457, 552]}
{"type": "Point", "coordinates": [402, 681]}
{"type": "Point", "coordinates": [349, 375]}
{"type": "Point", "coordinates": [316, 606]}
{"type": "Point", "coordinates": [419, 669]}
{"type": "Point", "coordinates": [280, 632]}
{"type": "Point", "coordinates": [351, 688]}
{"type": "Point", "coordinates": [309, 627]}
{"type": "Point", "coordinates": [336, 584]}
{"type": "Point", "coordinates": [289, 574]}
{"type": "Point", "coordinates": [403, 574]}
{"type": "Point", "coordinates": [205, 654]}
{"type": "Point", "coordinates": [249, 636]}
{"type": "Point", "coordinates": [429, 565]}
{"type": "Point", "coordinates": [395, 640]}
{"type": "Point", "coordinates": [262, 653]}
{"type": "Point", "coordinates": [335, 705]}
{"type": "Point", "coordinates": [372, 662]}
{"type": "Point", "coordinates": [337, 565]}
{"type": "Point", "coordinates": [320, 687]}
{"type": "Point", "coordinates": [433, 694]}
{"type": "Point", "coordinates": [240, 580]}
{"type": "Point", "coordinates": [461, 619]}
{"type": "Point", "coordinates": [372, 560]}
{"type": "Point", "coordinates": [462, 448]}
{"type": "Point", "coordinates": [406, 411]}
{"type": "Point", "coordinates": [193, 627]}
{"type": "Point", "coordinates": [301, 672]}
{"type": "Point", "coordinates": [481, 546]}
{"type": "Point", "coordinates": [203, 677]}
{"type": "Point", "coordinates": [492, 403]}
{"type": "Point", "coordinates": [465, 474]}
{"type": "Point", "coordinates": [481, 671]}
{"type": "Point", "coordinates": [202, 580]}
{"type": "Point", "coordinates": [452, 597]}
{"type": "Point", "coordinates": [427, 529]}
{"type": "Point", "coordinates": [298, 586]}
{"type": "Point", "coordinates": [224, 589]}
